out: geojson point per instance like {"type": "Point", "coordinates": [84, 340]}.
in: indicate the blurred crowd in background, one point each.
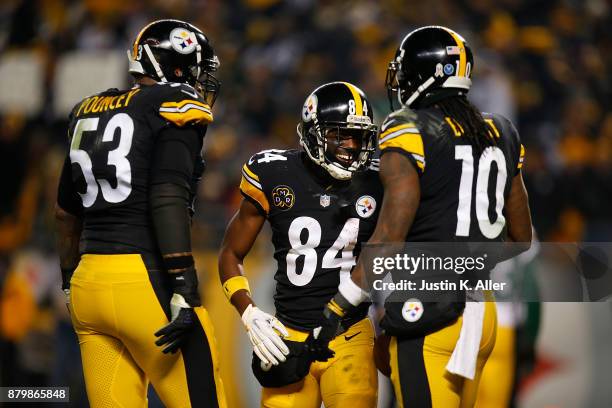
{"type": "Point", "coordinates": [544, 64]}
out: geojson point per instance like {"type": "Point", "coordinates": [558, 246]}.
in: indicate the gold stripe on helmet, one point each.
{"type": "Point", "coordinates": [356, 97]}
{"type": "Point", "coordinates": [462, 54]}
{"type": "Point", "coordinates": [137, 40]}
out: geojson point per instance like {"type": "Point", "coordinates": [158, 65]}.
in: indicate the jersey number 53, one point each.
{"type": "Point", "coordinates": [116, 157]}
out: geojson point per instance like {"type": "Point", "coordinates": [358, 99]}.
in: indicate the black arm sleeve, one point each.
{"type": "Point", "coordinates": [169, 210]}
{"type": "Point", "coordinates": [176, 150]}
{"type": "Point", "coordinates": [175, 153]}
{"type": "Point", "coordinates": [67, 197]}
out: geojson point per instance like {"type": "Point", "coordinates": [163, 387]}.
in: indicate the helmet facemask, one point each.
{"type": "Point", "coordinates": [399, 86]}
{"type": "Point", "coordinates": [392, 83]}
{"type": "Point", "coordinates": [203, 80]}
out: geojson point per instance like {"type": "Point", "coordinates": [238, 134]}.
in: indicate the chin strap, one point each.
{"type": "Point", "coordinates": [155, 64]}
{"type": "Point", "coordinates": [337, 172]}
{"type": "Point", "coordinates": [450, 83]}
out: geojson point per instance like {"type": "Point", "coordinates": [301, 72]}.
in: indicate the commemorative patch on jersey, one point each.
{"type": "Point", "coordinates": [283, 197]}
{"type": "Point", "coordinates": [183, 41]}
{"type": "Point", "coordinates": [365, 206]}
{"type": "Point", "coordinates": [412, 310]}
{"type": "Point", "coordinates": [310, 108]}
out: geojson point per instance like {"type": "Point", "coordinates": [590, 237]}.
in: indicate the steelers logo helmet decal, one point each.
{"type": "Point", "coordinates": [365, 206]}
{"type": "Point", "coordinates": [183, 41]}
{"type": "Point", "coordinates": [412, 310]}
{"type": "Point", "coordinates": [283, 197]}
{"type": "Point", "coordinates": [310, 108]}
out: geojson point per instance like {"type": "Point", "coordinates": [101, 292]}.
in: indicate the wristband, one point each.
{"type": "Point", "coordinates": [334, 307]}
{"type": "Point", "coordinates": [351, 292]}
{"type": "Point", "coordinates": [186, 284]}
{"type": "Point", "coordinates": [234, 284]}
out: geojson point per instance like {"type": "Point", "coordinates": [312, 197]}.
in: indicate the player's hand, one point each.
{"type": "Point", "coordinates": [183, 317]}
{"type": "Point", "coordinates": [67, 295]}
{"type": "Point", "coordinates": [317, 343]}
{"type": "Point", "coordinates": [66, 276]}
{"type": "Point", "coordinates": [263, 330]}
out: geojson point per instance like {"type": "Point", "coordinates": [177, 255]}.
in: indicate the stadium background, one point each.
{"type": "Point", "coordinates": [543, 64]}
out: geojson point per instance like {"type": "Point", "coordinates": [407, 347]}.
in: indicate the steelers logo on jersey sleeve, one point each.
{"type": "Point", "coordinates": [283, 197]}
{"type": "Point", "coordinates": [365, 206]}
{"type": "Point", "coordinates": [412, 310]}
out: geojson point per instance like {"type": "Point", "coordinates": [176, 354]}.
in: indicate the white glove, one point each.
{"type": "Point", "coordinates": [266, 342]}
{"type": "Point", "coordinates": [67, 295]}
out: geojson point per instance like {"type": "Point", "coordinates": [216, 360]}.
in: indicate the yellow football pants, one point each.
{"type": "Point", "coordinates": [116, 306]}
{"type": "Point", "coordinates": [418, 366]}
{"type": "Point", "coordinates": [495, 389]}
{"type": "Point", "coordinates": [349, 379]}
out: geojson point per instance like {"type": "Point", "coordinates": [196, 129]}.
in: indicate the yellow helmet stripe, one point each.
{"type": "Point", "coordinates": [462, 55]}
{"type": "Point", "coordinates": [137, 40]}
{"type": "Point", "coordinates": [356, 97]}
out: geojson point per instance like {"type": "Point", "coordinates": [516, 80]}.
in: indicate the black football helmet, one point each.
{"type": "Point", "coordinates": [428, 60]}
{"type": "Point", "coordinates": [176, 51]}
{"type": "Point", "coordinates": [331, 112]}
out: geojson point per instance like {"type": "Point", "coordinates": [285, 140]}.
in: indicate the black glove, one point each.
{"type": "Point", "coordinates": [317, 343]}
{"type": "Point", "coordinates": [183, 317]}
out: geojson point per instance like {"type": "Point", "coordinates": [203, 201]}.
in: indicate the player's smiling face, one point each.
{"type": "Point", "coordinates": [343, 145]}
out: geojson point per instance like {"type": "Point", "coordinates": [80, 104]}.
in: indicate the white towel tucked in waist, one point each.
{"type": "Point", "coordinates": [464, 357]}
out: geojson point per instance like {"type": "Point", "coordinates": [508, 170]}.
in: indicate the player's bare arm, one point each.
{"type": "Point", "coordinates": [518, 215]}
{"type": "Point", "coordinates": [68, 227]}
{"type": "Point", "coordinates": [518, 220]}
{"type": "Point", "coordinates": [68, 233]}
{"type": "Point", "coordinates": [240, 235]}
{"type": "Point", "coordinates": [400, 203]}
{"type": "Point", "coordinates": [262, 328]}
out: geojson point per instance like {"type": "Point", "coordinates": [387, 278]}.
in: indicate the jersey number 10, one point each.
{"type": "Point", "coordinates": [491, 154]}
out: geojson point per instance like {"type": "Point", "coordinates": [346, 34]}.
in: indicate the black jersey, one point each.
{"type": "Point", "coordinates": [317, 229]}
{"type": "Point", "coordinates": [112, 139]}
{"type": "Point", "coordinates": [462, 191]}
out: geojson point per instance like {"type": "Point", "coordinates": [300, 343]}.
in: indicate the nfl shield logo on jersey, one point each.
{"type": "Point", "coordinates": [324, 200]}
{"type": "Point", "coordinates": [412, 310]}
{"type": "Point", "coordinates": [365, 206]}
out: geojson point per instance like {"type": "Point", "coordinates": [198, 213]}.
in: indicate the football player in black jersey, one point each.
{"type": "Point", "coordinates": [322, 203]}
{"type": "Point", "coordinates": [123, 220]}
{"type": "Point", "coordinates": [450, 174]}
